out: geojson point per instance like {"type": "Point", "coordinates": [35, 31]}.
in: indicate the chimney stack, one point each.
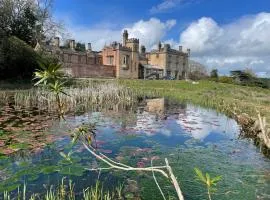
{"type": "Point", "coordinates": [188, 51]}
{"type": "Point", "coordinates": [56, 42]}
{"type": "Point", "coordinates": [89, 47]}
{"type": "Point", "coordinates": [159, 46]}
{"type": "Point", "coordinates": [143, 49]}
{"type": "Point", "coordinates": [72, 44]}
{"type": "Point", "coordinates": [180, 48]}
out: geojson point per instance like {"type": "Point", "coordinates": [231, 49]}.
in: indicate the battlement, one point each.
{"type": "Point", "coordinates": [132, 40]}
{"type": "Point", "coordinates": [124, 48]}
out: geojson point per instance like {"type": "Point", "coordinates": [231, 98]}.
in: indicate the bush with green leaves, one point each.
{"type": "Point", "coordinates": [18, 59]}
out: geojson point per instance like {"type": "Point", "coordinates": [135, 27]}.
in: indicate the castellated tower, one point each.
{"type": "Point", "coordinates": [125, 37]}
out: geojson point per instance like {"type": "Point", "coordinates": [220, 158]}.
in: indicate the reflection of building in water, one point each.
{"type": "Point", "coordinates": [155, 105]}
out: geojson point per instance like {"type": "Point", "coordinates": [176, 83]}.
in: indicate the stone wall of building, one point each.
{"type": "Point", "coordinates": [173, 62]}
{"type": "Point", "coordinates": [89, 71]}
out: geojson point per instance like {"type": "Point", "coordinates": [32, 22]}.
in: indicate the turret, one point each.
{"type": "Point", "coordinates": [125, 37]}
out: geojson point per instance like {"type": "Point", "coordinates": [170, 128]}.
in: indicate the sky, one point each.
{"type": "Point", "coordinates": [223, 34]}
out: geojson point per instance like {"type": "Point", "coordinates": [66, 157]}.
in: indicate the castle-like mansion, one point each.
{"type": "Point", "coordinates": [126, 60]}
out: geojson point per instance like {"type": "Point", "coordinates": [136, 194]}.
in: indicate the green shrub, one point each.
{"type": "Point", "coordinates": [226, 79]}
{"type": "Point", "coordinates": [18, 59]}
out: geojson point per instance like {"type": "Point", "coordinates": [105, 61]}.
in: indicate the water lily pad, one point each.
{"type": "Point", "coordinates": [72, 170]}
{"type": "Point", "coordinates": [49, 169]}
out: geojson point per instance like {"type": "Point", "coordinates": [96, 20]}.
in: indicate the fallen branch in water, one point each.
{"type": "Point", "coordinates": [264, 133]}
{"type": "Point", "coordinates": [116, 165]}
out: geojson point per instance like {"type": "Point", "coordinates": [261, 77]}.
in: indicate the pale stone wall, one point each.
{"type": "Point", "coordinates": [157, 59]}
{"type": "Point", "coordinates": [173, 62]}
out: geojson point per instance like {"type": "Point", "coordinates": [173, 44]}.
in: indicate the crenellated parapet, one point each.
{"type": "Point", "coordinates": [133, 40]}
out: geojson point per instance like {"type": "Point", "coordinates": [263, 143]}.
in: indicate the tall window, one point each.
{"type": "Point", "coordinates": [110, 60]}
{"type": "Point", "coordinates": [125, 60]}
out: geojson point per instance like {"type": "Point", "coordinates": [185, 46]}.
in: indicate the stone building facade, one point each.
{"type": "Point", "coordinates": [121, 60]}
{"type": "Point", "coordinates": [166, 62]}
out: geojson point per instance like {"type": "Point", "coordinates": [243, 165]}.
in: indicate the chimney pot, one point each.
{"type": "Point", "coordinates": [89, 47]}
{"type": "Point", "coordinates": [72, 44]}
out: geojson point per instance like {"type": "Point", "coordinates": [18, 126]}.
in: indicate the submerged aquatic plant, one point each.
{"type": "Point", "coordinates": [209, 182]}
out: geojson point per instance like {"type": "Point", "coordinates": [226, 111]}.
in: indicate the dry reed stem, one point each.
{"type": "Point", "coordinates": [117, 165]}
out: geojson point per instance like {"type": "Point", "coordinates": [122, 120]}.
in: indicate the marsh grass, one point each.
{"type": "Point", "coordinates": [83, 97]}
{"type": "Point", "coordinates": [64, 191]}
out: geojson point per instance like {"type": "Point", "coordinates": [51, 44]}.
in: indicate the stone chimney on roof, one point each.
{"type": "Point", "coordinates": [159, 45]}
{"type": "Point", "coordinates": [143, 49]}
{"type": "Point", "coordinates": [89, 47]}
{"type": "Point", "coordinates": [72, 44]}
{"type": "Point", "coordinates": [188, 51]}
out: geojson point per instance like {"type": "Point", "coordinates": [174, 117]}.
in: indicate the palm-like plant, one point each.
{"type": "Point", "coordinates": [49, 72]}
{"type": "Point", "coordinates": [208, 181]}
{"type": "Point", "coordinates": [50, 77]}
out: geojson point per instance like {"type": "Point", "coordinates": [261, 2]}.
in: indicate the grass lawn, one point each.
{"type": "Point", "coordinates": [227, 98]}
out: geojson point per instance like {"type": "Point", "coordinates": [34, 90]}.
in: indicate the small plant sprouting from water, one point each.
{"type": "Point", "coordinates": [209, 182]}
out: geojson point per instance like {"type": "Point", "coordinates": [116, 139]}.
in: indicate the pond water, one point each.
{"type": "Point", "coordinates": [187, 135]}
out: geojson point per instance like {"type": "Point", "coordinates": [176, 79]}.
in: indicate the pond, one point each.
{"type": "Point", "coordinates": [189, 136]}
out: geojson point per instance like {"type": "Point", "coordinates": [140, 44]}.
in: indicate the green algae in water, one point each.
{"type": "Point", "coordinates": [75, 170]}
{"type": "Point", "coordinates": [243, 169]}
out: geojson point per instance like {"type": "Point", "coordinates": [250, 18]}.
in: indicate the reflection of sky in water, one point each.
{"type": "Point", "coordinates": [203, 124]}
{"type": "Point", "coordinates": [174, 126]}
{"type": "Point", "coordinates": [186, 127]}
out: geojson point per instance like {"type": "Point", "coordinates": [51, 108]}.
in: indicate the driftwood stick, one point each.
{"type": "Point", "coordinates": [264, 135]}
{"type": "Point", "coordinates": [174, 181]}
{"type": "Point", "coordinates": [161, 192]}
{"type": "Point", "coordinates": [124, 168]}
{"type": "Point", "coordinates": [116, 165]}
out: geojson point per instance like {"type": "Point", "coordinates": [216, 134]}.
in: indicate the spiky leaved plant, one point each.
{"type": "Point", "coordinates": [209, 182]}
{"type": "Point", "coordinates": [50, 77]}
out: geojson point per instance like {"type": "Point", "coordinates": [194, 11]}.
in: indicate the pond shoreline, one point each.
{"type": "Point", "coordinates": [207, 94]}
{"type": "Point", "coordinates": [211, 95]}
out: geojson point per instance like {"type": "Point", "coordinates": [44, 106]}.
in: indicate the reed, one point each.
{"type": "Point", "coordinates": [83, 97]}
{"type": "Point", "coordinates": [64, 191]}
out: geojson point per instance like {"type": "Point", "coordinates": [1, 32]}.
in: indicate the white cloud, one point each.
{"type": "Point", "coordinates": [242, 43]}
{"type": "Point", "coordinates": [168, 5]}
{"type": "Point", "coordinates": [98, 37]}
{"type": "Point", "coordinates": [149, 33]}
